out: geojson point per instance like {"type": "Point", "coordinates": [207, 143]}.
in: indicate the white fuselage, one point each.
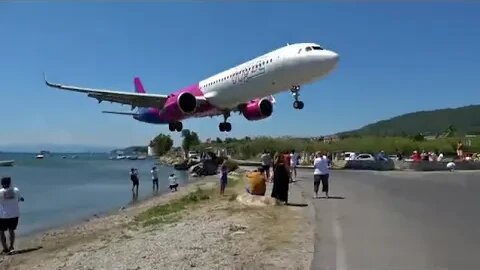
{"type": "Point", "coordinates": [269, 74]}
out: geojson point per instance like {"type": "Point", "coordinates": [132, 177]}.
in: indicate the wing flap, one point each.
{"type": "Point", "coordinates": [128, 98]}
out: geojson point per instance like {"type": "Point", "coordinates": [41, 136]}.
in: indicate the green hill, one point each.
{"type": "Point", "coordinates": [464, 120]}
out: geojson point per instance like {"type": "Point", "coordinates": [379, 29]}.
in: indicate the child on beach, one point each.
{"type": "Point", "coordinates": [173, 182]}
{"type": "Point", "coordinates": [223, 178]}
{"type": "Point", "coordinates": [134, 179]}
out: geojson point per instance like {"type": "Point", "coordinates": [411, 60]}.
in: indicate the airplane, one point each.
{"type": "Point", "coordinates": [247, 88]}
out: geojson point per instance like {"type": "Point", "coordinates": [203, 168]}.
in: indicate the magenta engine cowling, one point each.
{"type": "Point", "coordinates": [258, 109]}
{"type": "Point", "coordinates": [180, 105]}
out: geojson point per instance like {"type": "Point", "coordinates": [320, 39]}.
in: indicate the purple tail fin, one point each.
{"type": "Point", "coordinates": [138, 85]}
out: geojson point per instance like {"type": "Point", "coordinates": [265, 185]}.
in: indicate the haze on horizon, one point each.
{"type": "Point", "coordinates": [395, 58]}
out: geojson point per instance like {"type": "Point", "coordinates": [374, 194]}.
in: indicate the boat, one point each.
{"type": "Point", "coordinates": [120, 156]}
{"type": "Point", "coordinates": [142, 157]}
{"type": "Point", "coordinates": [6, 163]}
{"type": "Point", "coordinates": [132, 157]}
{"type": "Point", "coordinates": [39, 156]}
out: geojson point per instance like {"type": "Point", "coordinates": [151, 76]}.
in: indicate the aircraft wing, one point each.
{"type": "Point", "coordinates": [128, 98]}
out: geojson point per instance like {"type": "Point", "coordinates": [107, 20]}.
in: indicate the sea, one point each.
{"type": "Point", "coordinates": [62, 189]}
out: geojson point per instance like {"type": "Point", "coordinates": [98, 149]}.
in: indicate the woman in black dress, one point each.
{"type": "Point", "coordinates": [280, 179]}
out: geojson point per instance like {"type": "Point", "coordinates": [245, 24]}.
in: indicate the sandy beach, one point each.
{"type": "Point", "coordinates": [192, 228]}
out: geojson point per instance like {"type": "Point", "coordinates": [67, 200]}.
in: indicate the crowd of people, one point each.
{"type": "Point", "coordinates": [134, 178]}
{"type": "Point", "coordinates": [284, 168]}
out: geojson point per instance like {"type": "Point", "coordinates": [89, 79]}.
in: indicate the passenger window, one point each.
{"type": "Point", "coordinates": [299, 51]}
{"type": "Point", "coordinates": [308, 49]}
{"type": "Point", "coordinates": [317, 48]}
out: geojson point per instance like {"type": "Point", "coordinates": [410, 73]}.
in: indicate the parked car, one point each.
{"type": "Point", "coordinates": [364, 157]}
{"type": "Point", "coordinates": [349, 155]}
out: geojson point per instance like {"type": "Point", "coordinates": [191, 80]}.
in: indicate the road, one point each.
{"type": "Point", "coordinates": [397, 220]}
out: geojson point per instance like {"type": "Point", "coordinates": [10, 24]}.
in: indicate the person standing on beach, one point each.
{"type": "Point", "coordinates": [321, 173]}
{"type": "Point", "coordinates": [135, 181]}
{"type": "Point", "coordinates": [9, 212]}
{"type": "Point", "coordinates": [223, 178]}
{"type": "Point", "coordinates": [154, 174]}
{"type": "Point", "coordinates": [266, 163]}
{"type": "Point", "coordinates": [294, 161]}
{"type": "Point", "coordinates": [281, 178]}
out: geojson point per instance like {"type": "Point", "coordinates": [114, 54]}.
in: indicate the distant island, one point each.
{"type": "Point", "coordinates": [463, 120]}
{"type": "Point", "coordinates": [131, 150]}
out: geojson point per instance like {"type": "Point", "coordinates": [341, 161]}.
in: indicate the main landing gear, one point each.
{"type": "Point", "coordinates": [225, 126]}
{"type": "Point", "coordinates": [297, 104]}
{"type": "Point", "coordinates": [178, 126]}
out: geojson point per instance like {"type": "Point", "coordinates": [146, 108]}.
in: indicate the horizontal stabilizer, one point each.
{"type": "Point", "coordinates": [122, 113]}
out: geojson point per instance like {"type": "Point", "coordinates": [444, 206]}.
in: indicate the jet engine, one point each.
{"type": "Point", "coordinates": [258, 109]}
{"type": "Point", "coordinates": [187, 103]}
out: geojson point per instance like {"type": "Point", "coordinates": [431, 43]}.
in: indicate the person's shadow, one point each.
{"type": "Point", "coordinates": [25, 250]}
{"type": "Point", "coordinates": [331, 197]}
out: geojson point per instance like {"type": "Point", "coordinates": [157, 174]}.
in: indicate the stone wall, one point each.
{"type": "Point", "coordinates": [376, 165]}
{"type": "Point", "coordinates": [436, 166]}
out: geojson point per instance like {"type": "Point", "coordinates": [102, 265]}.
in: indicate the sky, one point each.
{"type": "Point", "coordinates": [395, 58]}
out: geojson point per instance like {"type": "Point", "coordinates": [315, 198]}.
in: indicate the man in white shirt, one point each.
{"type": "Point", "coordinates": [266, 163]}
{"type": "Point", "coordinates": [294, 160]}
{"type": "Point", "coordinates": [173, 182]}
{"type": "Point", "coordinates": [321, 174]}
{"type": "Point", "coordinates": [154, 174]}
{"type": "Point", "coordinates": [9, 212]}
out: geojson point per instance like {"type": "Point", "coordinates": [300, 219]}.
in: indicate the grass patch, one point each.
{"type": "Point", "coordinates": [170, 212]}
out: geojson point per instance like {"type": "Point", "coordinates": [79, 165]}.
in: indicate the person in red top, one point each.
{"type": "Point", "coordinates": [416, 156]}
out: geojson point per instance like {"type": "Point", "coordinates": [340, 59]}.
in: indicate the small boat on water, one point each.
{"type": "Point", "coordinates": [39, 156]}
{"type": "Point", "coordinates": [6, 163]}
{"type": "Point", "coordinates": [142, 157]}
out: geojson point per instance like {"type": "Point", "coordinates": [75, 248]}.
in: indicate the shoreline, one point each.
{"type": "Point", "coordinates": [99, 214]}
{"type": "Point", "coordinates": [194, 227]}
{"type": "Point", "coordinates": [40, 234]}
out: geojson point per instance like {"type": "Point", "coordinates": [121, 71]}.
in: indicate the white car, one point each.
{"type": "Point", "coordinates": [349, 155]}
{"type": "Point", "coordinates": [364, 157]}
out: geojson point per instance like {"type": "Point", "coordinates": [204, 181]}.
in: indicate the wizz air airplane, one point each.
{"type": "Point", "coordinates": [247, 89]}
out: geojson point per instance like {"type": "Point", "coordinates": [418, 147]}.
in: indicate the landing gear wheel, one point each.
{"type": "Point", "coordinates": [179, 126]}
{"type": "Point", "coordinates": [225, 126]}
{"type": "Point", "coordinates": [298, 105]}
{"type": "Point", "coordinates": [171, 126]}
{"type": "Point", "coordinates": [228, 127]}
{"type": "Point", "coordinates": [175, 126]}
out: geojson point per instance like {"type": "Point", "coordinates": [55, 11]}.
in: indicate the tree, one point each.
{"type": "Point", "coordinates": [190, 139]}
{"type": "Point", "coordinates": [218, 140]}
{"type": "Point", "coordinates": [161, 144]}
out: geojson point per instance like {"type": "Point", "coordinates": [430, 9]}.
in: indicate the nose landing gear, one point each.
{"type": "Point", "coordinates": [297, 104]}
{"type": "Point", "coordinates": [178, 126]}
{"type": "Point", "coordinates": [225, 126]}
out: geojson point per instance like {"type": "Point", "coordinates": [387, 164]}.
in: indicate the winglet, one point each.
{"type": "Point", "coordinates": [47, 82]}
{"type": "Point", "coordinates": [138, 85]}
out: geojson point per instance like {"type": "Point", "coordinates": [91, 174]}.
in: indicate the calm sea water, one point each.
{"type": "Point", "coordinates": [60, 191]}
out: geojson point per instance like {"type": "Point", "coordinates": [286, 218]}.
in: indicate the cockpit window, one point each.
{"type": "Point", "coordinates": [308, 49]}
{"type": "Point", "coordinates": [317, 48]}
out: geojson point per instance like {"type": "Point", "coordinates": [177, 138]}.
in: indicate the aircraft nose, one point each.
{"type": "Point", "coordinates": [332, 57]}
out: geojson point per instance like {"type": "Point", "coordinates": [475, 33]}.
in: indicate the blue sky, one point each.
{"type": "Point", "coordinates": [395, 58]}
